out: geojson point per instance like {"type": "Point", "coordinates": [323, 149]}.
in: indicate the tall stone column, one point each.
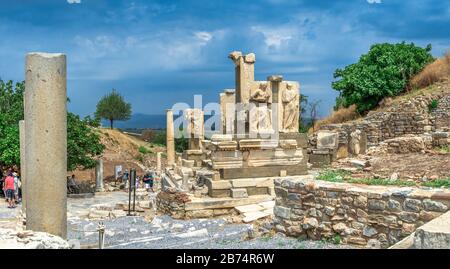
{"type": "Point", "coordinates": [158, 162]}
{"type": "Point", "coordinates": [99, 176]}
{"type": "Point", "coordinates": [46, 143]}
{"type": "Point", "coordinates": [22, 164]}
{"type": "Point", "coordinates": [170, 147]}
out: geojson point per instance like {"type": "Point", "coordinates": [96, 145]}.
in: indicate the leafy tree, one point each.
{"type": "Point", "coordinates": [83, 143]}
{"type": "Point", "coordinates": [113, 107]}
{"type": "Point", "coordinates": [383, 72]}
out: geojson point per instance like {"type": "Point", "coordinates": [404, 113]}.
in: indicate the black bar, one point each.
{"type": "Point", "coordinates": [129, 195]}
{"type": "Point", "coordinates": [133, 179]}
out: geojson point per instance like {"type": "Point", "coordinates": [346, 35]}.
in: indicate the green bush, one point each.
{"type": "Point", "coordinates": [383, 72]}
{"type": "Point", "coordinates": [439, 183]}
{"type": "Point", "coordinates": [433, 105]}
{"type": "Point", "coordinates": [337, 239]}
{"type": "Point", "coordinates": [144, 150]}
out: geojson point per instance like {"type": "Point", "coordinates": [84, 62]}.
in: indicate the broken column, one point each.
{"type": "Point", "coordinates": [245, 81]}
{"type": "Point", "coordinates": [22, 164]}
{"type": "Point", "coordinates": [99, 176]}
{"type": "Point", "coordinates": [170, 140]}
{"type": "Point", "coordinates": [46, 143]}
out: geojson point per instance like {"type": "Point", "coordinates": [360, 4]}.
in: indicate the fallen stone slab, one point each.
{"type": "Point", "coordinates": [254, 215]}
{"type": "Point", "coordinates": [359, 163]}
{"type": "Point", "coordinates": [268, 204]}
{"type": "Point", "coordinates": [249, 208]}
{"type": "Point", "coordinates": [197, 233]}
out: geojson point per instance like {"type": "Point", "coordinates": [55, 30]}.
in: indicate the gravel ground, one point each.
{"type": "Point", "coordinates": [165, 232]}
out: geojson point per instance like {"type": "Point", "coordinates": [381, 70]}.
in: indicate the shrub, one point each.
{"type": "Point", "coordinates": [439, 183]}
{"type": "Point", "coordinates": [337, 239]}
{"type": "Point", "coordinates": [384, 71]}
{"type": "Point", "coordinates": [432, 73]}
{"type": "Point", "coordinates": [144, 150]}
{"type": "Point", "coordinates": [433, 105]}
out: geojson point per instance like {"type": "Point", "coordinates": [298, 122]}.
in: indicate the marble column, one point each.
{"type": "Point", "coordinates": [170, 147]}
{"type": "Point", "coordinates": [46, 143]}
{"type": "Point", "coordinates": [99, 176]}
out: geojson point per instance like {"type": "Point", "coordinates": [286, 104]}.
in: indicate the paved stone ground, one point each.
{"type": "Point", "coordinates": [163, 232]}
{"type": "Point", "coordinates": [8, 215]}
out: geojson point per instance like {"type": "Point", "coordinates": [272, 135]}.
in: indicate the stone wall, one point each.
{"type": "Point", "coordinates": [442, 114]}
{"type": "Point", "coordinates": [177, 205]}
{"type": "Point", "coordinates": [372, 216]}
{"type": "Point", "coordinates": [403, 118]}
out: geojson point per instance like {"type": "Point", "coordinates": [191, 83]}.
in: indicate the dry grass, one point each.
{"type": "Point", "coordinates": [432, 73]}
{"type": "Point", "coordinates": [338, 116]}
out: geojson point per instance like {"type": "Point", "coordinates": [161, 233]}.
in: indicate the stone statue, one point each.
{"type": "Point", "coordinates": [194, 120]}
{"type": "Point", "coordinates": [355, 140]}
{"type": "Point", "coordinates": [261, 95]}
{"type": "Point", "coordinates": [290, 109]}
{"type": "Point", "coordinates": [261, 116]}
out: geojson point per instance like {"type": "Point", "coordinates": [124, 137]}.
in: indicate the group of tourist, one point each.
{"type": "Point", "coordinates": [147, 180]}
{"type": "Point", "coordinates": [11, 186]}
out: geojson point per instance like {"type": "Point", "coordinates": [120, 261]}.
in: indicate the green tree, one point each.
{"type": "Point", "coordinates": [83, 143]}
{"type": "Point", "coordinates": [383, 72]}
{"type": "Point", "coordinates": [113, 107]}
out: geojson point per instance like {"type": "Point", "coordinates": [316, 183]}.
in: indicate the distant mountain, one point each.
{"type": "Point", "coordinates": [140, 121]}
{"type": "Point", "coordinates": [145, 121]}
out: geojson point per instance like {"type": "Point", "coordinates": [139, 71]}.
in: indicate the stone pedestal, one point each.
{"type": "Point", "coordinates": [22, 164]}
{"type": "Point", "coordinates": [99, 176]}
{"type": "Point", "coordinates": [46, 143]}
{"type": "Point", "coordinates": [170, 140]}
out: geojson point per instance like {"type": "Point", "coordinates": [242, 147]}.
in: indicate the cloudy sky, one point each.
{"type": "Point", "coordinates": [157, 53]}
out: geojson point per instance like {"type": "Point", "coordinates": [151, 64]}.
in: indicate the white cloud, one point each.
{"type": "Point", "coordinates": [74, 1]}
{"type": "Point", "coordinates": [204, 36]}
{"type": "Point", "coordinates": [274, 38]}
{"type": "Point", "coordinates": [374, 1]}
{"type": "Point", "coordinates": [118, 56]}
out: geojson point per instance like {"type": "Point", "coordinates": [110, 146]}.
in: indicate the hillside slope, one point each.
{"type": "Point", "coordinates": [123, 149]}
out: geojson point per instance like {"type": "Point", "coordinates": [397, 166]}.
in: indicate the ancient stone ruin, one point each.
{"type": "Point", "coordinates": [409, 126]}
{"type": "Point", "coordinates": [258, 139]}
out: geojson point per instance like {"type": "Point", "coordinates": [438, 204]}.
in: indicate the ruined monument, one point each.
{"type": "Point", "coordinates": [45, 104]}
{"type": "Point", "coordinates": [258, 138]}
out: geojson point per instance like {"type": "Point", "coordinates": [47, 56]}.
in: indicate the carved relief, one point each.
{"type": "Point", "coordinates": [261, 114]}
{"type": "Point", "coordinates": [290, 100]}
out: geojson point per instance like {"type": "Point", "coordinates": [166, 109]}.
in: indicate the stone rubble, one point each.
{"type": "Point", "coordinates": [11, 239]}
